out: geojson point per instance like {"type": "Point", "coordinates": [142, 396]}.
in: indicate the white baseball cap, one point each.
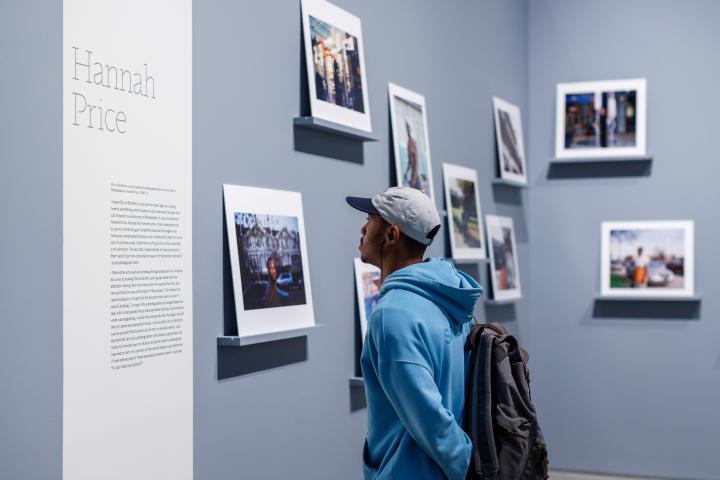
{"type": "Point", "coordinates": [410, 209]}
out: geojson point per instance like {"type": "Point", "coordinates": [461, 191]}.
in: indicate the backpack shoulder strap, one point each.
{"type": "Point", "coordinates": [478, 404]}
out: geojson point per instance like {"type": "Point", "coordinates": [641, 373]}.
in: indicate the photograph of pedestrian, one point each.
{"type": "Point", "coordinates": [335, 64]}
{"type": "Point", "coordinates": [367, 283]}
{"type": "Point", "coordinates": [509, 137]}
{"type": "Point", "coordinates": [647, 258]}
{"type": "Point", "coordinates": [268, 260]}
{"type": "Point", "coordinates": [336, 58]}
{"type": "Point", "coordinates": [410, 139]}
{"type": "Point", "coordinates": [504, 271]}
{"type": "Point", "coordinates": [463, 203]}
{"type": "Point", "coordinates": [601, 119]}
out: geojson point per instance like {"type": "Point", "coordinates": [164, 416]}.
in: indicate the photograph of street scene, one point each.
{"type": "Point", "coordinates": [512, 154]}
{"type": "Point", "coordinates": [409, 136]}
{"type": "Point", "coordinates": [466, 227]}
{"type": "Point", "coordinates": [338, 72]}
{"type": "Point", "coordinates": [600, 119]}
{"type": "Point", "coordinates": [271, 269]}
{"type": "Point", "coordinates": [647, 258]}
{"type": "Point", "coordinates": [504, 265]}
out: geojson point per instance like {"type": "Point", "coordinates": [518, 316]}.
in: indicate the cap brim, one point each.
{"type": "Point", "coordinates": [362, 204]}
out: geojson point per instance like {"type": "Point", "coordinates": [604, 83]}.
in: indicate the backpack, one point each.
{"type": "Point", "coordinates": [499, 416]}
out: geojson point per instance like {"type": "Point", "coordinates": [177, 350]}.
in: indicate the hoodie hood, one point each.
{"type": "Point", "coordinates": [438, 280]}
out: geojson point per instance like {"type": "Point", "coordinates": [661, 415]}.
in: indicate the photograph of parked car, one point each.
{"type": "Point", "coordinates": [600, 119]}
{"type": "Point", "coordinates": [647, 258]}
{"type": "Point", "coordinates": [268, 260]}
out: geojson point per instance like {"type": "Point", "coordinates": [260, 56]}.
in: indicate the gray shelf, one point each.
{"type": "Point", "coordinates": [228, 341]}
{"type": "Point", "coordinates": [509, 183]}
{"type": "Point", "coordinates": [493, 302]}
{"type": "Point", "coordinates": [469, 261]}
{"type": "Point", "coordinates": [656, 298]}
{"type": "Point", "coordinates": [628, 158]}
{"type": "Point", "coordinates": [357, 382]}
{"type": "Point", "coordinates": [333, 128]}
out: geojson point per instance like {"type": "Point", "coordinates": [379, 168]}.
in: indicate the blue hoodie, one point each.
{"type": "Point", "coordinates": [413, 363]}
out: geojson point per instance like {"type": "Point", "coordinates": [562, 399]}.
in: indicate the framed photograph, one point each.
{"type": "Point", "coordinates": [335, 60]}
{"type": "Point", "coordinates": [268, 256]}
{"type": "Point", "coordinates": [600, 119]}
{"type": "Point", "coordinates": [647, 259]}
{"type": "Point", "coordinates": [467, 240]}
{"type": "Point", "coordinates": [511, 149]}
{"type": "Point", "coordinates": [410, 139]}
{"type": "Point", "coordinates": [504, 271]}
{"type": "Point", "coordinates": [367, 283]}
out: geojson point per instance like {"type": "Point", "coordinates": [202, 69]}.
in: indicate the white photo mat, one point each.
{"type": "Point", "coordinates": [494, 224]}
{"type": "Point", "coordinates": [362, 268]}
{"type": "Point", "coordinates": [688, 290]}
{"type": "Point", "coordinates": [513, 112]}
{"type": "Point", "coordinates": [451, 172]}
{"type": "Point", "coordinates": [395, 91]}
{"type": "Point", "coordinates": [350, 24]}
{"type": "Point", "coordinates": [263, 201]}
{"type": "Point", "coordinates": [638, 85]}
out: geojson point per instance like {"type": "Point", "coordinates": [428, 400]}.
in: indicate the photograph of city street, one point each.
{"type": "Point", "coordinates": [503, 258]}
{"type": "Point", "coordinates": [651, 257]}
{"type": "Point", "coordinates": [511, 150]}
{"type": "Point", "coordinates": [367, 281]}
{"type": "Point", "coordinates": [601, 119]}
{"type": "Point", "coordinates": [338, 72]}
{"type": "Point", "coordinates": [410, 139]}
{"type": "Point", "coordinates": [269, 252]}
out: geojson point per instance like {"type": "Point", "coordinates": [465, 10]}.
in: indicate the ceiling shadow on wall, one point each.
{"type": "Point", "coordinates": [357, 398]}
{"type": "Point", "coordinates": [328, 145]}
{"type": "Point", "coordinates": [500, 313]}
{"type": "Point", "coordinates": [640, 309]}
{"type": "Point", "coordinates": [599, 169]}
{"type": "Point", "coordinates": [470, 268]}
{"type": "Point", "coordinates": [236, 361]}
{"type": "Point", "coordinates": [507, 194]}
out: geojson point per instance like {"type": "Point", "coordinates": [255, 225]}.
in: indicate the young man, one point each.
{"type": "Point", "coordinates": [413, 360]}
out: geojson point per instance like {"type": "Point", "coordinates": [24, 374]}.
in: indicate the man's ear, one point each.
{"type": "Point", "coordinates": [392, 235]}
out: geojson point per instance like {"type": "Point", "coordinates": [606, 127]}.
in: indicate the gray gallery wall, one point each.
{"type": "Point", "coordinates": [626, 388]}
{"type": "Point", "coordinates": [30, 240]}
{"type": "Point", "coordinates": [296, 420]}
{"type": "Point", "coordinates": [629, 389]}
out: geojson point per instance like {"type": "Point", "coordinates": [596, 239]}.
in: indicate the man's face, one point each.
{"type": "Point", "coordinates": [373, 236]}
{"type": "Point", "coordinates": [272, 270]}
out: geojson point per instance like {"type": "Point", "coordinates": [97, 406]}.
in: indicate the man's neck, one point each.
{"type": "Point", "coordinates": [391, 265]}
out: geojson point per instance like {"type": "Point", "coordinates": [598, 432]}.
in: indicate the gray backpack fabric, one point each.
{"type": "Point", "coordinates": [499, 416]}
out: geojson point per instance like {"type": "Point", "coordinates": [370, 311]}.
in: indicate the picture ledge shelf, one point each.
{"type": "Point", "coordinates": [628, 158]}
{"type": "Point", "coordinates": [229, 341]}
{"type": "Point", "coordinates": [509, 183]}
{"type": "Point", "coordinates": [656, 298]}
{"type": "Point", "coordinates": [357, 382]}
{"type": "Point", "coordinates": [491, 301]}
{"type": "Point", "coordinates": [333, 128]}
